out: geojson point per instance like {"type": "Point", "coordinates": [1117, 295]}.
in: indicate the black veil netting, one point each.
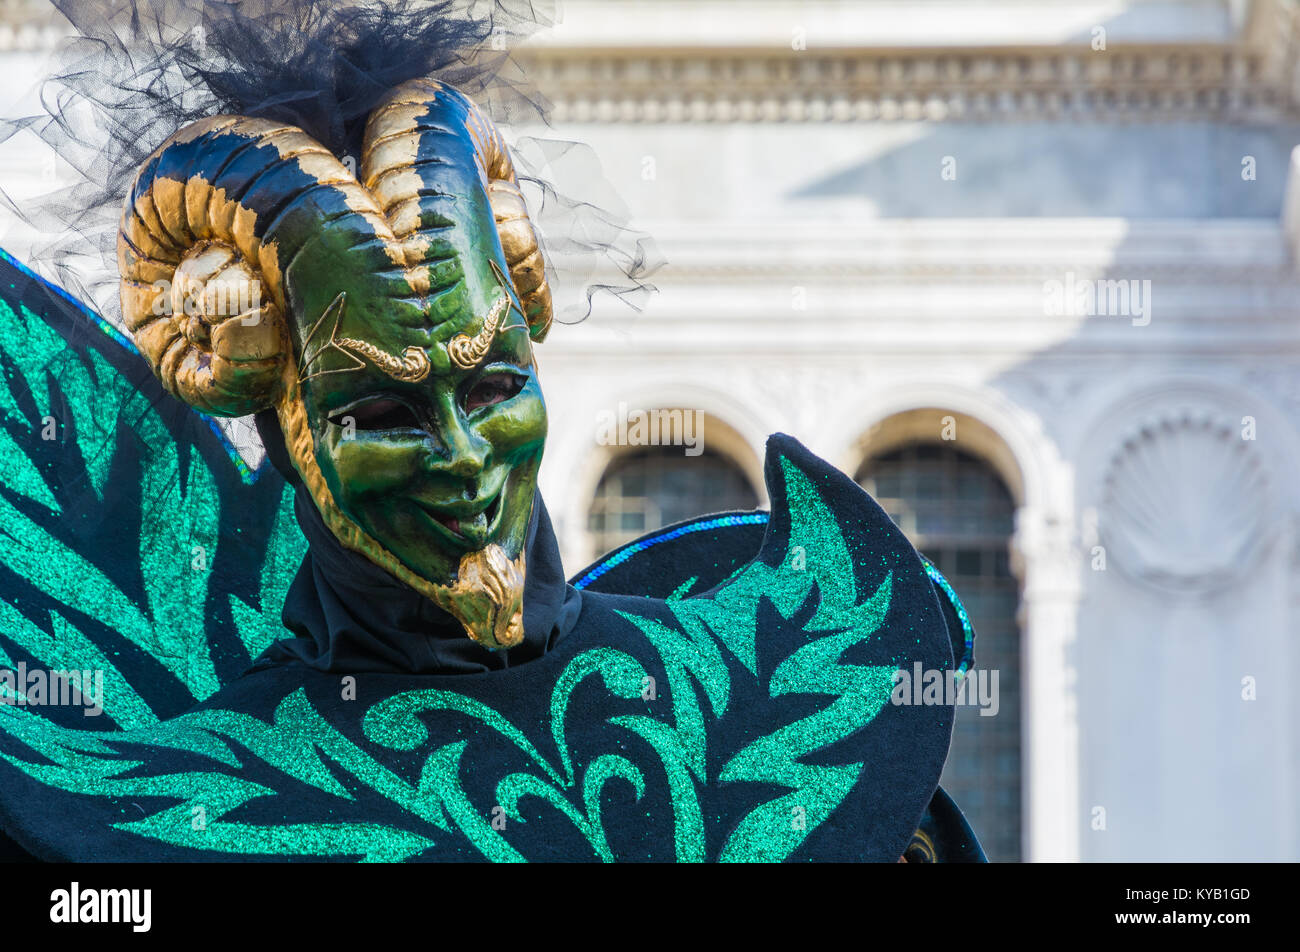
{"type": "Point", "coordinates": [135, 71]}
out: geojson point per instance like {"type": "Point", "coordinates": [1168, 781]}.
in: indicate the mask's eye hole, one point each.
{"type": "Point", "coordinates": [493, 389]}
{"type": "Point", "coordinates": [379, 414]}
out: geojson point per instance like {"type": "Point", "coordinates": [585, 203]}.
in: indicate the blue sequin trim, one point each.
{"type": "Point", "coordinates": [640, 545]}
{"type": "Point", "coordinates": [760, 518]}
{"type": "Point", "coordinates": [968, 630]}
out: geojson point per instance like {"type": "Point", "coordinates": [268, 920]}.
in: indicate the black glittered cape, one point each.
{"type": "Point", "coordinates": [721, 690]}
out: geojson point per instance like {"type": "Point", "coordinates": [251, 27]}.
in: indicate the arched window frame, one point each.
{"type": "Point", "coordinates": [720, 441]}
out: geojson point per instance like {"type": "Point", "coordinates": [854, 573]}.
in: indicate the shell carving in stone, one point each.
{"type": "Point", "coordinates": [1185, 501]}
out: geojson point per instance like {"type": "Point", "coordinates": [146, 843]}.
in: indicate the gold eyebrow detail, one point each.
{"type": "Point", "coordinates": [466, 351]}
{"type": "Point", "coordinates": [335, 308]}
{"type": "Point", "coordinates": [412, 367]}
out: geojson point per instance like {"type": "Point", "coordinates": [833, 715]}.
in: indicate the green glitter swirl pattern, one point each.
{"type": "Point", "coordinates": [79, 408]}
{"type": "Point", "coordinates": [694, 653]}
{"type": "Point", "coordinates": [705, 647]}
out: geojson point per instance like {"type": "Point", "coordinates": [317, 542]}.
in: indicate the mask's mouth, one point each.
{"type": "Point", "coordinates": [462, 525]}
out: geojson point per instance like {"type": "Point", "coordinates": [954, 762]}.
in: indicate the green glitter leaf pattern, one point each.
{"type": "Point", "coordinates": [303, 746]}
{"type": "Point", "coordinates": [75, 409]}
{"type": "Point", "coordinates": [260, 626]}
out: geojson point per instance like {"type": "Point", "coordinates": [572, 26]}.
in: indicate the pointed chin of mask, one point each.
{"type": "Point", "coordinates": [489, 597]}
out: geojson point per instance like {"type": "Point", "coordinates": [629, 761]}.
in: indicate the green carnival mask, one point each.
{"type": "Point", "coordinates": [387, 317]}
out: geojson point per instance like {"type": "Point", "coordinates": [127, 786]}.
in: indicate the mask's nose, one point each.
{"type": "Point", "coordinates": [461, 453]}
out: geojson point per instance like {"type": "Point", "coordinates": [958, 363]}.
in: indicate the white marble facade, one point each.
{"type": "Point", "coordinates": [872, 213]}
{"type": "Point", "coordinates": [868, 226]}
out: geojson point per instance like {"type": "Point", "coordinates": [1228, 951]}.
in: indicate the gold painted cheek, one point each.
{"type": "Point", "coordinates": [365, 466]}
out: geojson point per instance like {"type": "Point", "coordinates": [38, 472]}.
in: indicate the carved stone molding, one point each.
{"type": "Point", "coordinates": [746, 85]}
{"type": "Point", "coordinates": [1253, 77]}
{"type": "Point", "coordinates": [30, 25]}
{"type": "Point", "coordinates": [1185, 503]}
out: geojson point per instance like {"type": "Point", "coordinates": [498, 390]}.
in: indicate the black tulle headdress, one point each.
{"type": "Point", "coordinates": [133, 72]}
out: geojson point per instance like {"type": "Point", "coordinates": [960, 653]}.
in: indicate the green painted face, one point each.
{"type": "Point", "coordinates": [430, 458]}
{"type": "Point", "coordinates": [393, 343]}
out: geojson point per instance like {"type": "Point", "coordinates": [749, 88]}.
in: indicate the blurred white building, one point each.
{"type": "Point", "coordinates": [1026, 269]}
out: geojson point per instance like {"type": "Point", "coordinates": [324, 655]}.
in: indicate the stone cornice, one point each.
{"type": "Point", "coordinates": [604, 64]}
{"type": "Point", "coordinates": [31, 26]}
{"type": "Point", "coordinates": [1153, 83]}
{"type": "Point", "coordinates": [1218, 285]}
{"type": "Point", "coordinates": [894, 24]}
{"type": "Point", "coordinates": [1196, 251]}
{"type": "Point", "coordinates": [882, 61]}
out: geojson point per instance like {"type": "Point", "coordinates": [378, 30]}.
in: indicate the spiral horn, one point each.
{"type": "Point", "coordinates": [208, 221]}
{"type": "Point", "coordinates": [408, 137]}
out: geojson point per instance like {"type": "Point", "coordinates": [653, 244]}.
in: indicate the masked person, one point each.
{"type": "Point", "coordinates": [724, 689]}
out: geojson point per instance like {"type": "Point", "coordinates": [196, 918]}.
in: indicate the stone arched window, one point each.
{"type": "Point", "coordinates": [649, 487]}
{"type": "Point", "coordinates": [958, 512]}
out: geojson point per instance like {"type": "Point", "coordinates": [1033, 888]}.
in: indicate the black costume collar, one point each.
{"type": "Point", "coordinates": [349, 615]}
